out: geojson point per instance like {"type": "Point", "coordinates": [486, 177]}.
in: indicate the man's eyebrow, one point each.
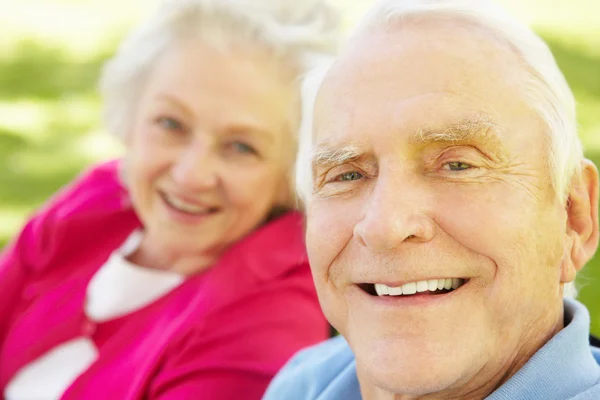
{"type": "Point", "coordinates": [476, 128]}
{"type": "Point", "coordinates": [479, 128]}
{"type": "Point", "coordinates": [326, 155]}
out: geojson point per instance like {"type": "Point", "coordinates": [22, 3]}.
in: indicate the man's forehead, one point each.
{"type": "Point", "coordinates": [442, 49]}
{"type": "Point", "coordinates": [459, 89]}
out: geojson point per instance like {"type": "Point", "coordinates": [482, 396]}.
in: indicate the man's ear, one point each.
{"type": "Point", "coordinates": [582, 220]}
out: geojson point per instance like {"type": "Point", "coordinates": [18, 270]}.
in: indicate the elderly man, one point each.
{"type": "Point", "coordinates": [449, 208]}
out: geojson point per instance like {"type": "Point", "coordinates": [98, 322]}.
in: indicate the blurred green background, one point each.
{"type": "Point", "coordinates": [51, 53]}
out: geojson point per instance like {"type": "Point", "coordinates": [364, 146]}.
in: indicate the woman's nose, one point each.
{"type": "Point", "coordinates": [196, 167]}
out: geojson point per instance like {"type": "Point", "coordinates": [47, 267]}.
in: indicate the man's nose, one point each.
{"type": "Point", "coordinates": [397, 212]}
{"type": "Point", "coordinates": [196, 167]}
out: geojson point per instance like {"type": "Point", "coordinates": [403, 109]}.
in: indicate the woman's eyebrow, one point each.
{"type": "Point", "coordinates": [247, 127]}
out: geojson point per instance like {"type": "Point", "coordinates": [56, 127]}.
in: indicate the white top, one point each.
{"type": "Point", "coordinates": [118, 288]}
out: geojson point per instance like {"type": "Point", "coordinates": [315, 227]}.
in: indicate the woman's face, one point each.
{"type": "Point", "coordinates": [210, 149]}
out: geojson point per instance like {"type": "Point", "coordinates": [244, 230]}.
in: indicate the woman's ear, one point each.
{"type": "Point", "coordinates": [582, 220]}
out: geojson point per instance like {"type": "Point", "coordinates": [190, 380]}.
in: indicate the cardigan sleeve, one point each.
{"type": "Point", "coordinates": [31, 249]}
{"type": "Point", "coordinates": [16, 263]}
{"type": "Point", "coordinates": [27, 253]}
{"type": "Point", "coordinates": [240, 349]}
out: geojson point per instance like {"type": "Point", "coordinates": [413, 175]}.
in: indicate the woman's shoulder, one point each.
{"type": "Point", "coordinates": [96, 188]}
{"type": "Point", "coordinates": [272, 251]}
{"type": "Point", "coordinates": [93, 206]}
{"type": "Point", "coordinates": [258, 279]}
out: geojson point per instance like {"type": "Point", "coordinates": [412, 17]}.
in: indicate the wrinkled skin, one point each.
{"type": "Point", "coordinates": [423, 197]}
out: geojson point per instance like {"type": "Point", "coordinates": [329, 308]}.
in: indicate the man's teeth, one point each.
{"type": "Point", "coordinates": [184, 206]}
{"type": "Point", "coordinates": [431, 285]}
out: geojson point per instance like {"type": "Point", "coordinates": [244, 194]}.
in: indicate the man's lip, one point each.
{"type": "Point", "coordinates": [435, 287]}
{"type": "Point", "coordinates": [420, 299]}
{"type": "Point", "coordinates": [396, 283]}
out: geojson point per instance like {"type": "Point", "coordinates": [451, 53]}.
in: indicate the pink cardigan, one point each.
{"type": "Point", "coordinates": [222, 334]}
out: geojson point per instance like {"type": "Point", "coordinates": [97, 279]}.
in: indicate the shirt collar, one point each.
{"type": "Point", "coordinates": [562, 368]}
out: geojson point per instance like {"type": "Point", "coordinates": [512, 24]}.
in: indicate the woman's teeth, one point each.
{"type": "Point", "coordinates": [186, 207]}
{"type": "Point", "coordinates": [431, 285]}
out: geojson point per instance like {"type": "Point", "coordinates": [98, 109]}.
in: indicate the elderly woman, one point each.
{"type": "Point", "coordinates": [179, 271]}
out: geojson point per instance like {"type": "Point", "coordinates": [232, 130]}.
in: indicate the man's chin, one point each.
{"type": "Point", "coordinates": [414, 372]}
{"type": "Point", "coordinates": [408, 382]}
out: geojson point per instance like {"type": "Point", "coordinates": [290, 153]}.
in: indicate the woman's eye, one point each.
{"type": "Point", "coordinates": [170, 124]}
{"type": "Point", "coordinates": [457, 166]}
{"type": "Point", "coordinates": [349, 176]}
{"type": "Point", "coordinates": [243, 148]}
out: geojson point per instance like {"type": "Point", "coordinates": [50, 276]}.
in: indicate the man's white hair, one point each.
{"type": "Point", "coordinates": [296, 33]}
{"type": "Point", "coordinates": [547, 91]}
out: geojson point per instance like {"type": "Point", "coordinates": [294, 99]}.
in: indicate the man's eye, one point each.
{"type": "Point", "coordinates": [349, 176]}
{"type": "Point", "coordinates": [457, 166]}
{"type": "Point", "coordinates": [169, 124]}
{"type": "Point", "coordinates": [243, 148]}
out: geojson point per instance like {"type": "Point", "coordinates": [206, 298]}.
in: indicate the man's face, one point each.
{"type": "Point", "coordinates": [429, 166]}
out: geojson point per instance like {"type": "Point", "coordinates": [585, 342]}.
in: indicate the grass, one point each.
{"type": "Point", "coordinates": [49, 109]}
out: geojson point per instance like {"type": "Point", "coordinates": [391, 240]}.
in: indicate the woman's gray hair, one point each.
{"type": "Point", "coordinates": [297, 33]}
{"type": "Point", "coordinates": [547, 91]}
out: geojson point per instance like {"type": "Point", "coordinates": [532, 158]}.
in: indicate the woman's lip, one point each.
{"type": "Point", "coordinates": [186, 199]}
{"type": "Point", "coordinates": [184, 216]}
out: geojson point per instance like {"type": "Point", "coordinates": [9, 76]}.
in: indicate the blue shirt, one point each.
{"type": "Point", "coordinates": [565, 368]}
